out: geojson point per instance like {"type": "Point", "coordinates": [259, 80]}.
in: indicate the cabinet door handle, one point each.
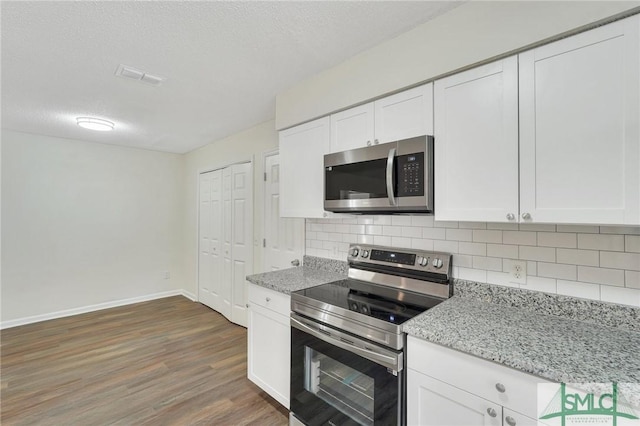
{"type": "Point", "coordinates": [510, 421]}
{"type": "Point", "coordinates": [268, 299]}
{"type": "Point", "coordinates": [526, 216]}
{"type": "Point", "coordinates": [491, 412]}
{"type": "Point", "coordinates": [511, 216]}
{"type": "Point", "coordinates": [247, 305]}
{"type": "Point", "coordinates": [500, 387]}
{"type": "Point", "coordinates": [295, 262]}
{"type": "Point", "coordinates": [376, 142]}
{"type": "Point", "coordinates": [368, 143]}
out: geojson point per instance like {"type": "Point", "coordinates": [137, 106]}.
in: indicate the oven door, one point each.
{"type": "Point", "coordinates": [338, 379]}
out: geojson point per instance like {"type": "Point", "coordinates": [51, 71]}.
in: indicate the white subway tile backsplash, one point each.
{"type": "Point", "coordinates": [472, 274]}
{"type": "Point", "coordinates": [579, 289]}
{"type": "Point", "coordinates": [459, 234]}
{"type": "Point", "coordinates": [547, 285]}
{"type": "Point", "coordinates": [487, 263]}
{"type": "Point", "coordinates": [630, 230]}
{"type": "Point", "coordinates": [501, 250]}
{"type": "Point", "coordinates": [401, 242]}
{"type": "Point", "coordinates": [380, 240]}
{"type": "Point", "coordinates": [476, 249]}
{"type": "Point", "coordinates": [583, 229]}
{"type": "Point", "coordinates": [632, 243]}
{"type": "Point", "coordinates": [542, 227]}
{"type": "Point", "coordinates": [373, 229]}
{"type": "Point", "coordinates": [601, 242]}
{"type": "Point", "coordinates": [446, 246]}
{"type": "Point", "coordinates": [422, 221]}
{"type": "Point", "coordinates": [434, 233]}
{"type": "Point", "coordinates": [625, 296]}
{"type": "Point", "coordinates": [503, 226]}
{"type": "Point", "coordinates": [630, 261]}
{"type": "Point", "coordinates": [422, 244]}
{"type": "Point", "coordinates": [578, 257]}
{"type": "Point", "coordinates": [487, 236]}
{"type": "Point", "coordinates": [462, 260]}
{"type": "Point", "coordinates": [400, 220]}
{"type": "Point", "coordinates": [392, 231]}
{"type": "Point", "coordinates": [605, 276]}
{"type": "Point", "coordinates": [557, 239]}
{"type": "Point", "coordinates": [521, 238]}
{"type": "Point", "coordinates": [577, 260]}
{"type": "Point", "coordinates": [472, 225]}
{"type": "Point", "coordinates": [557, 270]}
{"type": "Point", "coordinates": [543, 254]}
{"type": "Point", "coordinates": [445, 224]}
{"type": "Point", "coordinates": [632, 279]}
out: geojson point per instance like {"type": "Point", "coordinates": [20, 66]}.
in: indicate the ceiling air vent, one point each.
{"type": "Point", "coordinates": [131, 73]}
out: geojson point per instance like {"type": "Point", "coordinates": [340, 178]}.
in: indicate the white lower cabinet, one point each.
{"type": "Point", "coordinates": [269, 342]}
{"type": "Point", "coordinates": [448, 388]}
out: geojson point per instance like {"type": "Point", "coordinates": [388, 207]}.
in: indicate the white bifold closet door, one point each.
{"type": "Point", "coordinates": [226, 235]}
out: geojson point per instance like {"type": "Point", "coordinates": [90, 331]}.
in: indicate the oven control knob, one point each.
{"type": "Point", "coordinates": [365, 253]}
{"type": "Point", "coordinates": [355, 251]}
{"type": "Point", "coordinates": [437, 263]}
{"type": "Point", "coordinates": [423, 261]}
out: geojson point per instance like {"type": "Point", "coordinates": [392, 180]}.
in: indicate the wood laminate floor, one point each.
{"type": "Point", "coordinates": [164, 362]}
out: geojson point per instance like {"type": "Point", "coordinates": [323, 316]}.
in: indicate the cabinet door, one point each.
{"type": "Point", "coordinates": [269, 352]}
{"type": "Point", "coordinates": [579, 128]}
{"type": "Point", "coordinates": [476, 144]}
{"type": "Point", "coordinates": [352, 128]}
{"type": "Point", "coordinates": [431, 402]}
{"type": "Point", "coordinates": [404, 115]}
{"type": "Point", "coordinates": [302, 150]}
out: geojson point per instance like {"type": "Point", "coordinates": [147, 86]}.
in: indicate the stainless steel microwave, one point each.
{"type": "Point", "coordinates": [395, 177]}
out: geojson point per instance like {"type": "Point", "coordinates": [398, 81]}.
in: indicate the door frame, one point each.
{"type": "Point", "coordinates": [207, 169]}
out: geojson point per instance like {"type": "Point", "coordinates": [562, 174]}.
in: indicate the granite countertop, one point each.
{"type": "Point", "coordinates": [316, 271]}
{"type": "Point", "coordinates": [556, 348]}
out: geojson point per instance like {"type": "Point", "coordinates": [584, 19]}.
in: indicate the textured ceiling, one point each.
{"type": "Point", "coordinates": [224, 62]}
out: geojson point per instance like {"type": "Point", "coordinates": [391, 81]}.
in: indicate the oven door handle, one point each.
{"type": "Point", "coordinates": [392, 362]}
{"type": "Point", "coordinates": [390, 194]}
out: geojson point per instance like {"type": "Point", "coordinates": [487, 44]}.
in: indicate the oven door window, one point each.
{"type": "Point", "coordinates": [332, 386]}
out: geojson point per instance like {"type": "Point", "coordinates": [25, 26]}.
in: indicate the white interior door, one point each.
{"type": "Point", "coordinates": [204, 241]}
{"type": "Point", "coordinates": [227, 242]}
{"type": "Point", "coordinates": [284, 236]}
{"type": "Point", "coordinates": [242, 238]}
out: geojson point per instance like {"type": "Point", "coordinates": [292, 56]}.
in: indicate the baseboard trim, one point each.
{"type": "Point", "coordinates": [93, 308]}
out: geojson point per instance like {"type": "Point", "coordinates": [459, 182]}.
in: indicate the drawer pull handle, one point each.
{"type": "Point", "coordinates": [269, 300]}
{"type": "Point", "coordinates": [491, 412]}
{"type": "Point", "coordinates": [510, 421]}
{"type": "Point", "coordinates": [500, 387]}
{"type": "Point", "coordinates": [247, 305]}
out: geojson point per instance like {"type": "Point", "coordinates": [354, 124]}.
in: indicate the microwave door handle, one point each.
{"type": "Point", "coordinates": [390, 194]}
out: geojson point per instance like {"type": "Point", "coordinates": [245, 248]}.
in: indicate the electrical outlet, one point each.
{"type": "Point", "coordinates": [518, 272]}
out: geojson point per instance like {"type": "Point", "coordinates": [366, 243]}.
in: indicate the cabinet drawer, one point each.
{"type": "Point", "coordinates": [270, 299]}
{"type": "Point", "coordinates": [502, 385]}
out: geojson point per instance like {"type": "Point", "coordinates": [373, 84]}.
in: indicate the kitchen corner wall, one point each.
{"type": "Point", "coordinates": [591, 262]}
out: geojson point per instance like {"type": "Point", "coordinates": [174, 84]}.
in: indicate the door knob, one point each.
{"type": "Point", "coordinates": [295, 262]}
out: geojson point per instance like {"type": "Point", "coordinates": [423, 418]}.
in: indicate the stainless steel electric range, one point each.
{"type": "Point", "coordinates": [347, 345]}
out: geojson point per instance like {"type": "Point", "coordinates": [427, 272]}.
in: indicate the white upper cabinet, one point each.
{"type": "Point", "coordinates": [476, 144]}
{"type": "Point", "coordinates": [579, 128]}
{"type": "Point", "coordinates": [400, 116]}
{"type": "Point", "coordinates": [404, 115]}
{"type": "Point", "coordinates": [302, 150]}
{"type": "Point", "coordinates": [352, 128]}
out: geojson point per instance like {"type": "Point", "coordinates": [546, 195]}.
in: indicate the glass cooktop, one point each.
{"type": "Point", "coordinates": [380, 302]}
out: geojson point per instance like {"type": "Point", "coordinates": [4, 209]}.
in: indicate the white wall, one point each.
{"type": "Point", "coordinates": [470, 33]}
{"type": "Point", "coordinates": [592, 262]}
{"type": "Point", "coordinates": [249, 144]}
{"type": "Point", "coordinates": [86, 224]}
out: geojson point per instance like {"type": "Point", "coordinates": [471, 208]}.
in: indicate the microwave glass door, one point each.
{"type": "Point", "coordinates": [357, 181]}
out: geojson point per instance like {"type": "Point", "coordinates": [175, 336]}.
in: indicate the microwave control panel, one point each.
{"type": "Point", "coordinates": [410, 175]}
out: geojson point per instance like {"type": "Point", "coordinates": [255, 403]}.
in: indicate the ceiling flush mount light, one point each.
{"type": "Point", "coordinates": [95, 124]}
